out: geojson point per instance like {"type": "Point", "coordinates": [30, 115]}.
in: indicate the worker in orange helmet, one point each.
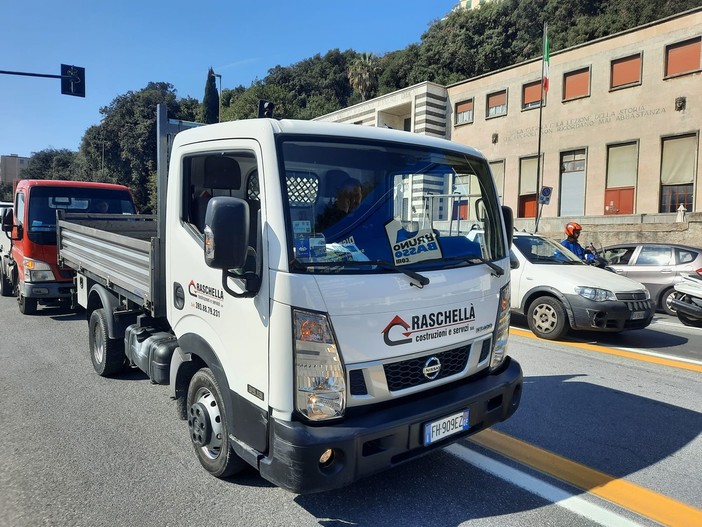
{"type": "Point", "coordinates": [572, 231]}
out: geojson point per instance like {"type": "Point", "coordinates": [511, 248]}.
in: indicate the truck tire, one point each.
{"type": "Point", "coordinates": [5, 283]}
{"type": "Point", "coordinates": [547, 318]}
{"type": "Point", "coordinates": [27, 306]}
{"type": "Point", "coordinates": [106, 354]}
{"type": "Point", "coordinates": [207, 422]}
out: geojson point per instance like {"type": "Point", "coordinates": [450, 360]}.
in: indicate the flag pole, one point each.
{"type": "Point", "coordinates": [545, 60]}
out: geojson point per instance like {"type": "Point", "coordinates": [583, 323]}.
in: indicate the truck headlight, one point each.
{"type": "Point", "coordinates": [499, 341]}
{"type": "Point", "coordinates": [37, 271]}
{"type": "Point", "coordinates": [595, 293]}
{"type": "Point", "coordinates": [320, 390]}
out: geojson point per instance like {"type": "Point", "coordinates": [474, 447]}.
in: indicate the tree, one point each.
{"type": "Point", "coordinates": [52, 163]}
{"type": "Point", "coordinates": [363, 75]}
{"type": "Point", "coordinates": [210, 103]}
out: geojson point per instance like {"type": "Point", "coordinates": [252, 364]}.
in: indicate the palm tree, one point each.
{"type": "Point", "coordinates": [363, 74]}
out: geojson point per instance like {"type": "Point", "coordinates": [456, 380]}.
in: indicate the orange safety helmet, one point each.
{"type": "Point", "coordinates": [573, 229]}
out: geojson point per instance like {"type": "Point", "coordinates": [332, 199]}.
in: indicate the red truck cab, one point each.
{"type": "Point", "coordinates": [30, 269]}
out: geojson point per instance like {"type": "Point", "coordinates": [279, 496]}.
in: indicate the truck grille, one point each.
{"type": "Point", "coordinates": [408, 373]}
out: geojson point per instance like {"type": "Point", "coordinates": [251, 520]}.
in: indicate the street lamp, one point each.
{"type": "Point", "coordinates": [219, 93]}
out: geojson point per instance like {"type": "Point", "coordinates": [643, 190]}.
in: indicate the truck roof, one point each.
{"type": "Point", "coordinates": [28, 183]}
{"type": "Point", "coordinates": [255, 128]}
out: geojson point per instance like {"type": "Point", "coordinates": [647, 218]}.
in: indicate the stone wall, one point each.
{"type": "Point", "coordinates": [609, 230]}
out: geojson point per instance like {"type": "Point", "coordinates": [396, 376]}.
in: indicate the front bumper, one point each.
{"type": "Point", "coordinates": [47, 292]}
{"type": "Point", "coordinates": [371, 441]}
{"type": "Point", "coordinates": [614, 316]}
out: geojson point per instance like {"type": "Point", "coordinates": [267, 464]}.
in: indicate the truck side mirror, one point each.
{"type": "Point", "coordinates": [6, 220]}
{"type": "Point", "coordinates": [226, 233]}
{"type": "Point", "coordinates": [508, 217]}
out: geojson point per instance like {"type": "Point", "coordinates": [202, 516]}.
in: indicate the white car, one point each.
{"type": "Point", "coordinates": [556, 291]}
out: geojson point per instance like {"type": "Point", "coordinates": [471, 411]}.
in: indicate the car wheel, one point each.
{"type": "Point", "coordinates": [689, 321]}
{"type": "Point", "coordinates": [547, 318]}
{"type": "Point", "coordinates": [209, 431]}
{"type": "Point", "coordinates": [106, 354]}
{"type": "Point", "coordinates": [666, 297]}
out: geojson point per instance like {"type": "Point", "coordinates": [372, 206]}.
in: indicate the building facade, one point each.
{"type": "Point", "coordinates": [618, 133]}
{"type": "Point", "coordinates": [11, 166]}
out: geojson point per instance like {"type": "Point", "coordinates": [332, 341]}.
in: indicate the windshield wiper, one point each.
{"type": "Point", "coordinates": [421, 279]}
{"type": "Point", "coordinates": [498, 271]}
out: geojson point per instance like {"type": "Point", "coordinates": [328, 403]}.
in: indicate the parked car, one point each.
{"type": "Point", "coordinates": [658, 266]}
{"type": "Point", "coordinates": [557, 291]}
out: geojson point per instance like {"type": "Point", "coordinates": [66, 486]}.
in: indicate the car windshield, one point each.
{"type": "Point", "coordinates": [538, 250]}
{"type": "Point", "coordinates": [371, 206]}
{"type": "Point", "coordinates": [45, 201]}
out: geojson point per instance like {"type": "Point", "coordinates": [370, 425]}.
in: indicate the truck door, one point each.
{"type": "Point", "coordinates": [201, 312]}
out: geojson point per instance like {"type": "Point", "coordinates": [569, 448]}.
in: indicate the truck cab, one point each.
{"type": "Point", "coordinates": [29, 269]}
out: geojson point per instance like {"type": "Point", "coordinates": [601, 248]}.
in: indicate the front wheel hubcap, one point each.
{"type": "Point", "coordinates": [205, 424]}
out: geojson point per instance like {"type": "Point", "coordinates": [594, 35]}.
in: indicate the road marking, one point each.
{"type": "Point", "coordinates": [640, 356]}
{"type": "Point", "coordinates": [549, 492]}
{"type": "Point", "coordinates": [637, 499]}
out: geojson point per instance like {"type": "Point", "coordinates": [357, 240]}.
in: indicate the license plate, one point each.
{"type": "Point", "coordinates": [446, 426]}
{"type": "Point", "coordinates": [637, 315]}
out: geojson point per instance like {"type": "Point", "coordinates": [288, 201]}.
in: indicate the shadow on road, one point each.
{"type": "Point", "coordinates": [612, 431]}
{"type": "Point", "coordinates": [652, 337]}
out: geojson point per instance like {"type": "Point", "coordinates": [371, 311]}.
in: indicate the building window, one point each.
{"type": "Point", "coordinates": [572, 191]}
{"type": "Point", "coordinates": [527, 187]}
{"type": "Point", "coordinates": [497, 104]}
{"type": "Point", "coordinates": [531, 95]}
{"type": "Point", "coordinates": [622, 169]}
{"type": "Point", "coordinates": [625, 72]}
{"type": "Point", "coordinates": [576, 84]}
{"type": "Point", "coordinates": [464, 112]}
{"type": "Point", "coordinates": [498, 173]}
{"type": "Point", "coordinates": [678, 172]}
{"type": "Point", "coordinates": [683, 57]}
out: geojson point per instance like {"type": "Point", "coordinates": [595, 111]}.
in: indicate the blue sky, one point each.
{"type": "Point", "coordinates": [125, 44]}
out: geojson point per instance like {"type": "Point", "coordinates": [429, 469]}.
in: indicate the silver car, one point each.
{"type": "Point", "coordinates": [658, 266]}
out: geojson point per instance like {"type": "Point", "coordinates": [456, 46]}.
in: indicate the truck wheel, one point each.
{"type": "Point", "coordinates": [666, 297]}
{"type": "Point", "coordinates": [208, 426]}
{"type": "Point", "coordinates": [689, 321]}
{"type": "Point", "coordinates": [547, 318]}
{"type": "Point", "coordinates": [27, 306]}
{"type": "Point", "coordinates": [106, 354]}
{"type": "Point", "coordinates": [5, 283]}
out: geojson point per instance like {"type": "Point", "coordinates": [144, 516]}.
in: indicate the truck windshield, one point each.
{"type": "Point", "coordinates": [44, 201]}
{"type": "Point", "coordinates": [392, 206]}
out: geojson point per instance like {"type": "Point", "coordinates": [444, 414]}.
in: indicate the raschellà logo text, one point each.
{"type": "Point", "coordinates": [196, 289]}
{"type": "Point", "coordinates": [429, 326]}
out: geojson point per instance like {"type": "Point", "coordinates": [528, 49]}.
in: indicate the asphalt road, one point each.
{"type": "Point", "coordinates": [80, 450]}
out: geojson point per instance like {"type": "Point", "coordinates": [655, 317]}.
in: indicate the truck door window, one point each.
{"type": "Point", "coordinates": [210, 174]}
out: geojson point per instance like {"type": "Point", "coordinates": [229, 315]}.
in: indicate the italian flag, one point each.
{"type": "Point", "coordinates": [547, 58]}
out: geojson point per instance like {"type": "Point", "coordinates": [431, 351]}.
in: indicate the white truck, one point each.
{"type": "Point", "coordinates": [319, 347]}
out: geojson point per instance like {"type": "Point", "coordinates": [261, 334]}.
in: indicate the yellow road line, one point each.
{"type": "Point", "coordinates": [642, 501]}
{"type": "Point", "coordinates": [619, 353]}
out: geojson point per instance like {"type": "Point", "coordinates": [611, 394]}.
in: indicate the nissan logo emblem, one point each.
{"type": "Point", "coordinates": [432, 367]}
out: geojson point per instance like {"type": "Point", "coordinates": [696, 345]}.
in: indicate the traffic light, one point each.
{"type": "Point", "coordinates": [265, 108]}
{"type": "Point", "coordinates": [72, 80]}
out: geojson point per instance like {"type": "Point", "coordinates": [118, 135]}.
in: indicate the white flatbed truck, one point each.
{"type": "Point", "coordinates": [318, 353]}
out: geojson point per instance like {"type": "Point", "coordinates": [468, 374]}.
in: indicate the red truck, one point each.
{"type": "Point", "coordinates": [29, 269]}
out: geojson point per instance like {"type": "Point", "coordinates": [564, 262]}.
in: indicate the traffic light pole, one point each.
{"type": "Point", "coordinates": [72, 79]}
